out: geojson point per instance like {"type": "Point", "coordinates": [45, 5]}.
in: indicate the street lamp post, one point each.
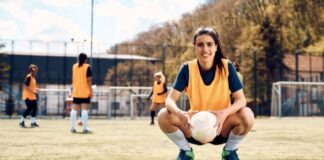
{"type": "Point", "coordinates": [91, 32]}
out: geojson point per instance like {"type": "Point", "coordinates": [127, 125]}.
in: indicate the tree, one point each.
{"type": "Point", "coordinates": [273, 53]}
{"type": "Point", "coordinates": [273, 28]}
{"type": "Point", "coordinates": [127, 74]}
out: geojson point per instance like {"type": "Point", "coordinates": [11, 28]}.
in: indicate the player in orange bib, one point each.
{"type": "Point", "coordinates": [81, 92]}
{"type": "Point", "coordinates": [159, 94]}
{"type": "Point", "coordinates": [208, 82]}
{"type": "Point", "coordinates": [30, 96]}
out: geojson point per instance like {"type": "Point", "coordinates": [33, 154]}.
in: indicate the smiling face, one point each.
{"type": "Point", "coordinates": [205, 49]}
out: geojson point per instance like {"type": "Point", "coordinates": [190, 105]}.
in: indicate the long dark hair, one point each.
{"type": "Point", "coordinates": [219, 52]}
{"type": "Point", "coordinates": [82, 59]}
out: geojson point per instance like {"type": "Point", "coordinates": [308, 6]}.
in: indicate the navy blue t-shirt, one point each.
{"type": "Point", "coordinates": [182, 79]}
{"type": "Point", "coordinates": [27, 81]}
{"type": "Point", "coordinates": [89, 72]}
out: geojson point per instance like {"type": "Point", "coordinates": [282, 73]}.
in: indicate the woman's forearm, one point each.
{"type": "Point", "coordinates": [171, 106]}
{"type": "Point", "coordinates": [237, 105]}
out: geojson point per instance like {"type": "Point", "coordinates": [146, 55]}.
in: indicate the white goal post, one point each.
{"type": "Point", "coordinates": [132, 98]}
{"type": "Point", "coordinates": [57, 101]}
{"type": "Point", "coordinates": [122, 96]}
{"type": "Point", "coordinates": [132, 101]}
{"type": "Point", "coordinates": [290, 98]}
{"type": "Point", "coordinates": [113, 101]}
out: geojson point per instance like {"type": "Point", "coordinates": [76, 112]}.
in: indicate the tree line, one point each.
{"type": "Point", "coordinates": [271, 28]}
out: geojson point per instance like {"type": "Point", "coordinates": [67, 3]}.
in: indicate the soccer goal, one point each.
{"type": "Point", "coordinates": [51, 101]}
{"type": "Point", "coordinates": [128, 101]}
{"type": "Point", "coordinates": [132, 101]}
{"type": "Point", "coordinates": [297, 99]}
{"type": "Point", "coordinates": [54, 101]}
{"type": "Point", "coordinates": [110, 102]}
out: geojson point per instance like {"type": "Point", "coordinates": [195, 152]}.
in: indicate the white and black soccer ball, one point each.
{"type": "Point", "coordinates": [203, 126]}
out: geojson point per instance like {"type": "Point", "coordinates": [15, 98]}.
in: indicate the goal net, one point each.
{"type": "Point", "coordinates": [297, 99]}
{"type": "Point", "coordinates": [110, 102]}
{"type": "Point", "coordinates": [133, 101]}
{"type": "Point", "coordinates": [58, 102]}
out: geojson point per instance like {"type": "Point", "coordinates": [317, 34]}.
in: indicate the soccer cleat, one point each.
{"type": "Point", "coordinates": [229, 155]}
{"type": "Point", "coordinates": [152, 123]}
{"type": "Point", "coordinates": [34, 125]}
{"type": "Point", "coordinates": [73, 130]}
{"type": "Point", "coordinates": [22, 124]}
{"type": "Point", "coordinates": [87, 131]}
{"type": "Point", "coordinates": [186, 155]}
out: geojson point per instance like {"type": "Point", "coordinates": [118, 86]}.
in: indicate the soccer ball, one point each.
{"type": "Point", "coordinates": [203, 126]}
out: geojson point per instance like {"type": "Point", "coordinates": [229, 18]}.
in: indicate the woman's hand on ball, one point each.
{"type": "Point", "coordinates": [221, 117]}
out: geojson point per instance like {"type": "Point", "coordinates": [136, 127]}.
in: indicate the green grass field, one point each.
{"type": "Point", "coordinates": [270, 139]}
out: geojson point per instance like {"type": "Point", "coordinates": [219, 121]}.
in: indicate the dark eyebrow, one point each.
{"type": "Point", "coordinates": [208, 43]}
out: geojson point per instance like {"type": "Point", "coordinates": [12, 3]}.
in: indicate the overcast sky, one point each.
{"type": "Point", "coordinates": [61, 20]}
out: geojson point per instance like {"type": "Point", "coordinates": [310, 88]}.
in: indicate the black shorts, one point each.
{"type": "Point", "coordinates": [31, 103]}
{"type": "Point", "coordinates": [217, 140]}
{"type": "Point", "coordinates": [81, 100]}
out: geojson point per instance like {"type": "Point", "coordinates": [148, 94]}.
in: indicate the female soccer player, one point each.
{"type": "Point", "coordinates": [208, 81]}
{"type": "Point", "coordinates": [81, 92]}
{"type": "Point", "coordinates": [30, 96]}
{"type": "Point", "coordinates": [159, 94]}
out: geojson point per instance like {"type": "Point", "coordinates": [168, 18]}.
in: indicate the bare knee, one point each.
{"type": "Point", "coordinates": [163, 114]}
{"type": "Point", "coordinates": [163, 117]}
{"type": "Point", "coordinates": [165, 120]}
{"type": "Point", "coordinates": [154, 106]}
{"type": "Point", "coordinates": [247, 117]}
{"type": "Point", "coordinates": [240, 123]}
{"type": "Point", "coordinates": [76, 107]}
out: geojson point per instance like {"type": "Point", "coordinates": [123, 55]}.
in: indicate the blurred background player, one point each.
{"type": "Point", "coordinates": [30, 96]}
{"type": "Point", "coordinates": [81, 92]}
{"type": "Point", "coordinates": [159, 91]}
{"type": "Point", "coordinates": [68, 105]}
